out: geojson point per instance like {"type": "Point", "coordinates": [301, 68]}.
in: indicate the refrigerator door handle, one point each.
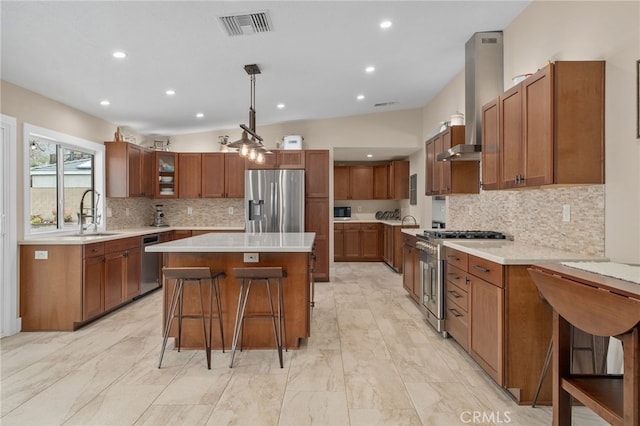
{"type": "Point", "coordinates": [275, 207]}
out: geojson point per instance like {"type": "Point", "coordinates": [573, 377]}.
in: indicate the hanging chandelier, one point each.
{"type": "Point", "coordinates": [251, 148]}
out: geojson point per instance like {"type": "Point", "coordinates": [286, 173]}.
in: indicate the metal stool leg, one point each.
{"type": "Point", "coordinates": [207, 342]}
{"type": "Point", "coordinates": [276, 335]}
{"type": "Point", "coordinates": [543, 373]}
{"type": "Point", "coordinates": [216, 290]}
{"type": "Point", "coordinates": [281, 319]}
{"type": "Point", "coordinates": [172, 311]}
{"type": "Point", "coordinates": [242, 305]}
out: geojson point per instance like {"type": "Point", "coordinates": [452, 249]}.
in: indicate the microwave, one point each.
{"type": "Point", "coordinates": [342, 213]}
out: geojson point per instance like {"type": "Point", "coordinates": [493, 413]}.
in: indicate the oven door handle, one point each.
{"type": "Point", "coordinates": [426, 267]}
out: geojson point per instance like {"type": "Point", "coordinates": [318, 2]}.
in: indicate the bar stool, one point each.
{"type": "Point", "coordinates": [261, 275]}
{"type": "Point", "coordinates": [195, 275]}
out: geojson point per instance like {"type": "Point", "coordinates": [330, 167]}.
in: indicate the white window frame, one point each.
{"type": "Point", "coordinates": [66, 141]}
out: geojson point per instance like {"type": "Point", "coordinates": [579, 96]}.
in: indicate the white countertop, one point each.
{"type": "Point", "coordinates": [234, 242]}
{"type": "Point", "coordinates": [89, 237]}
{"type": "Point", "coordinates": [385, 222]}
{"type": "Point", "coordinates": [507, 252]}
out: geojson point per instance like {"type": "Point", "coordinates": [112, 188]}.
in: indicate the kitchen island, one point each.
{"type": "Point", "coordinates": [225, 251]}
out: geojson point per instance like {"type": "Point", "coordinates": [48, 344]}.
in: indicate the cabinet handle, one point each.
{"type": "Point", "coordinates": [481, 269]}
{"type": "Point", "coordinates": [455, 313]}
{"type": "Point", "coordinates": [454, 294]}
{"type": "Point", "coordinates": [126, 254]}
{"type": "Point", "coordinates": [453, 276]}
{"type": "Point", "coordinates": [453, 257]}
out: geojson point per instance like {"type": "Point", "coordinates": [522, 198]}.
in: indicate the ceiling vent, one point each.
{"type": "Point", "coordinates": [247, 23]}
{"type": "Point", "coordinates": [384, 104]}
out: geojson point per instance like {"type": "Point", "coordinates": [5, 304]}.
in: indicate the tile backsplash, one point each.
{"type": "Point", "coordinates": [204, 212]}
{"type": "Point", "coordinates": [535, 216]}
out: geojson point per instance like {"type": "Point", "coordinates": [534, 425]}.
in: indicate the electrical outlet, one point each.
{"type": "Point", "coordinates": [230, 210]}
{"type": "Point", "coordinates": [109, 212]}
{"type": "Point", "coordinates": [189, 210]}
{"type": "Point", "coordinates": [566, 213]}
{"type": "Point", "coordinates": [41, 254]}
{"type": "Point", "coordinates": [126, 211]}
{"type": "Point", "coordinates": [359, 209]}
{"type": "Point", "coordinates": [251, 258]}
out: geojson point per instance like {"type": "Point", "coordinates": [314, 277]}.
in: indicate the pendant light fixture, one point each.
{"type": "Point", "coordinates": [253, 148]}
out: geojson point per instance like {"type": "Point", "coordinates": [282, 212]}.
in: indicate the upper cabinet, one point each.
{"type": "Point", "coordinates": [369, 182]}
{"type": "Point", "coordinates": [317, 173]}
{"type": "Point", "coordinates": [280, 159]}
{"type": "Point", "coordinates": [128, 170]}
{"type": "Point", "coordinates": [234, 166]}
{"type": "Point", "coordinates": [449, 177]}
{"type": "Point", "coordinates": [165, 174]}
{"type": "Point", "coordinates": [547, 130]}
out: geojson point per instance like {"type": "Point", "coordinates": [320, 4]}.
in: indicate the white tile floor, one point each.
{"type": "Point", "coordinates": [370, 360]}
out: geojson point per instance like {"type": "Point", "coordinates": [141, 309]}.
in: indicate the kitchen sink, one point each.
{"type": "Point", "coordinates": [93, 234]}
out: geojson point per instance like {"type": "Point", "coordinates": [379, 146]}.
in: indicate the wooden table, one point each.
{"type": "Point", "coordinates": [602, 306]}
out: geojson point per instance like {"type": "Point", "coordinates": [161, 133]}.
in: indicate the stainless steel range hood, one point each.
{"type": "Point", "coordinates": [483, 81]}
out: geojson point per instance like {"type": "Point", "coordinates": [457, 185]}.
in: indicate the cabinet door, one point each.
{"type": "Point", "coordinates": [234, 167]}
{"type": "Point", "coordinates": [317, 220]}
{"type": "Point", "coordinates": [417, 273]}
{"type": "Point", "coordinates": [341, 183]}
{"type": "Point", "coordinates": [190, 175]}
{"type": "Point", "coordinates": [134, 174]}
{"type": "Point", "coordinates": [370, 240]}
{"type": "Point", "coordinates": [213, 172]}
{"type": "Point", "coordinates": [338, 241]}
{"type": "Point", "coordinates": [387, 244]}
{"type": "Point", "coordinates": [291, 159]}
{"type": "Point", "coordinates": [445, 166]}
{"type": "Point", "coordinates": [361, 182]}
{"type": "Point", "coordinates": [114, 276]}
{"type": "Point", "coordinates": [165, 175]}
{"type": "Point", "coordinates": [270, 162]}
{"type": "Point", "coordinates": [438, 182]}
{"type": "Point", "coordinates": [381, 182]}
{"type": "Point", "coordinates": [93, 285]}
{"type": "Point", "coordinates": [428, 168]}
{"type": "Point", "coordinates": [538, 128]}
{"type": "Point", "coordinates": [316, 179]}
{"type": "Point", "coordinates": [399, 180]}
{"type": "Point", "coordinates": [490, 146]}
{"type": "Point", "coordinates": [407, 269]}
{"type": "Point", "coordinates": [134, 265]}
{"type": "Point", "coordinates": [352, 245]}
{"type": "Point", "coordinates": [147, 173]}
{"type": "Point", "coordinates": [487, 326]}
{"type": "Point", "coordinates": [511, 148]}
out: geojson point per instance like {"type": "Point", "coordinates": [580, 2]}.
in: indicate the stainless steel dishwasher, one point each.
{"type": "Point", "coordinates": [150, 274]}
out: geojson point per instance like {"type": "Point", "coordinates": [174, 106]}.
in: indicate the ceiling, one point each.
{"type": "Point", "coordinates": [313, 61]}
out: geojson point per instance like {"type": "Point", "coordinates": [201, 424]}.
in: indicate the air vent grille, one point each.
{"type": "Point", "coordinates": [383, 104]}
{"type": "Point", "coordinates": [247, 23]}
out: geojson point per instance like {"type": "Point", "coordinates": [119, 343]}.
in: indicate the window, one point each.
{"type": "Point", "coordinates": [59, 169]}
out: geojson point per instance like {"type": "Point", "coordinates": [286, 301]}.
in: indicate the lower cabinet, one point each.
{"type": "Point", "coordinates": [357, 242]}
{"type": "Point", "coordinates": [93, 287]}
{"type": "Point", "coordinates": [411, 267]}
{"type": "Point", "coordinates": [392, 246]}
{"type": "Point", "coordinates": [495, 313]}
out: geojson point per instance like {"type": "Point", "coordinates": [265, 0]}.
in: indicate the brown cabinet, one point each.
{"type": "Point", "coordinates": [213, 175]}
{"type": "Point", "coordinates": [381, 182]}
{"type": "Point", "coordinates": [189, 175]}
{"type": "Point", "coordinates": [338, 241]}
{"type": "Point", "coordinates": [411, 267]}
{"type": "Point", "coordinates": [357, 242]}
{"type": "Point", "coordinates": [316, 164]}
{"type": "Point", "coordinates": [291, 159]}
{"type": "Point", "coordinates": [128, 170]}
{"type": "Point", "coordinates": [361, 183]}
{"type": "Point", "coordinates": [490, 146]}
{"type": "Point", "coordinates": [93, 281]}
{"type": "Point", "coordinates": [371, 241]}
{"type": "Point", "coordinates": [449, 177]}
{"type": "Point", "coordinates": [341, 183]}
{"type": "Point", "coordinates": [352, 242]}
{"type": "Point", "coordinates": [234, 166]}
{"type": "Point", "coordinates": [398, 186]}
{"type": "Point", "coordinates": [165, 174]}
{"type": "Point", "coordinates": [392, 246]}
{"type": "Point", "coordinates": [550, 128]}
{"type": "Point", "coordinates": [120, 266]}
{"type": "Point", "coordinates": [499, 318]}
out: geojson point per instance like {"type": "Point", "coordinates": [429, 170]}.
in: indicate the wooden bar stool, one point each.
{"type": "Point", "coordinates": [197, 275]}
{"type": "Point", "coordinates": [260, 275]}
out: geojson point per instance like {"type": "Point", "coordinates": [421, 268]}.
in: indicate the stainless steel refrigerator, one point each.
{"type": "Point", "coordinates": [274, 200]}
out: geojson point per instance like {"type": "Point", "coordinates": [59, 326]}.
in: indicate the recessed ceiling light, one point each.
{"type": "Point", "coordinates": [170, 92]}
{"type": "Point", "coordinates": [280, 106]}
{"type": "Point", "coordinates": [360, 97]}
{"type": "Point", "coordinates": [385, 24]}
{"type": "Point", "coordinates": [199, 115]}
{"type": "Point", "coordinates": [105, 102]}
{"type": "Point", "coordinates": [370, 69]}
{"type": "Point", "coordinates": [369, 155]}
{"type": "Point", "coordinates": [118, 54]}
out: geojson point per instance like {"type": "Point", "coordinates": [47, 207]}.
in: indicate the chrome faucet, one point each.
{"type": "Point", "coordinates": [95, 217]}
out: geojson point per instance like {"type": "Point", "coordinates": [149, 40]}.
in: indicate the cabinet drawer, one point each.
{"type": "Point", "coordinates": [369, 226]}
{"type": "Point", "coordinates": [457, 258]}
{"type": "Point", "coordinates": [351, 226]}
{"type": "Point", "coordinates": [121, 244]}
{"type": "Point", "coordinates": [93, 250]}
{"type": "Point", "coordinates": [457, 276]}
{"type": "Point", "coordinates": [458, 295]}
{"type": "Point", "coordinates": [487, 270]}
{"type": "Point", "coordinates": [457, 324]}
{"type": "Point", "coordinates": [409, 240]}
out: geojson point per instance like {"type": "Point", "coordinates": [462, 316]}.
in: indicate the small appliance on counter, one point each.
{"type": "Point", "coordinates": [158, 217]}
{"type": "Point", "coordinates": [342, 213]}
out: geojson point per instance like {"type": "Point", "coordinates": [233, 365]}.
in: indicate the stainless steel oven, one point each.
{"type": "Point", "coordinates": [431, 282]}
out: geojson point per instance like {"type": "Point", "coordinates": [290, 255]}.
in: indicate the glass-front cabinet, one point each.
{"type": "Point", "coordinates": [166, 175]}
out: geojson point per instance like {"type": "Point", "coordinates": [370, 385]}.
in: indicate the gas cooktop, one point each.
{"type": "Point", "coordinates": [443, 234]}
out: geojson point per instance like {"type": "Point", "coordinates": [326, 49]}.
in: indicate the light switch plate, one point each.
{"type": "Point", "coordinates": [566, 213]}
{"type": "Point", "coordinates": [230, 210]}
{"type": "Point", "coordinates": [189, 210]}
{"type": "Point", "coordinates": [251, 258]}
